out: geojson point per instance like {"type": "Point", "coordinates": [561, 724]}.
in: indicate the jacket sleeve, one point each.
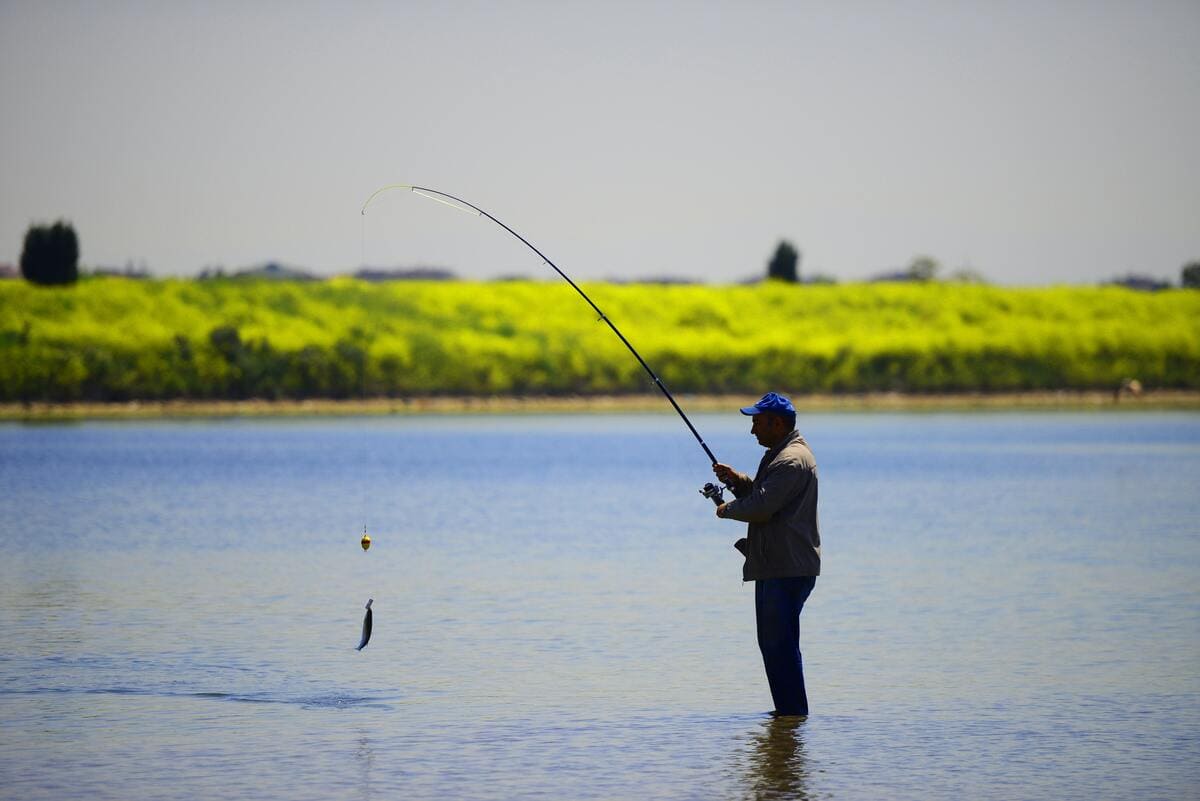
{"type": "Point", "coordinates": [778, 486]}
{"type": "Point", "coordinates": [741, 487]}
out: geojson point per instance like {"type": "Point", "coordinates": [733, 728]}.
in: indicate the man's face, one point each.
{"type": "Point", "coordinates": [767, 428]}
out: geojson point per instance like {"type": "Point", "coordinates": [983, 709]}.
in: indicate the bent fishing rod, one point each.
{"type": "Point", "coordinates": [710, 490]}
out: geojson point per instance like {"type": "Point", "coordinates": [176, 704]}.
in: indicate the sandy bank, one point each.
{"type": "Point", "coordinates": [886, 401]}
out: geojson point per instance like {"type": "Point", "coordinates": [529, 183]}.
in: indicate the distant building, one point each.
{"type": "Point", "coordinates": [898, 276]}
{"type": "Point", "coordinates": [1142, 283]}
{"type": "Point", "coordinates": [128, 271]}
{"type": "Point", "coordinates": [274, 271]}
{"type": "Point", "coordinates": [376, 275]}
{"type": "Point", "coordinates": [8, 271]}
{"type": "Point", "coordinates": [809, 279]}
{"type": "Point", "coordinates": [660, 280]}
{"type": "Point", "coordinates": [818, 278]}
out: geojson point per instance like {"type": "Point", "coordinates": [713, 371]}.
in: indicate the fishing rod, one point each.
{"type": "Point", "coordinates": [710, 490]}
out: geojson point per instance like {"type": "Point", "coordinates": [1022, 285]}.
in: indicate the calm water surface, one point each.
{"type": "Point", "coordinates": [1010, 608]}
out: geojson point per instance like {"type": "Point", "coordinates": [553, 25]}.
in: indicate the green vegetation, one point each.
{"type": "Point", "coordinates": [117, 339]}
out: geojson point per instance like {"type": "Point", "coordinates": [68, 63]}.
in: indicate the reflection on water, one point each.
{"type": "Point", "coordinates": [776, 766]}
{"type": "Point", "coordinates": [366, 760]}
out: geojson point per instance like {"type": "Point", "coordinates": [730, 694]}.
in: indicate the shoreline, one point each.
{"type": "Point", "coordinates": [1089, 400]}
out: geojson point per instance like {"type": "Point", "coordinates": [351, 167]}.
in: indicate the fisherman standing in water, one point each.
{"type": "Point", "coordinates": [782, 544]}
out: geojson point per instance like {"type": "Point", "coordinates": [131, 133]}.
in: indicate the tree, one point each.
{"type": "Point", "coordinates": [1191, 275]}
{"type": "Point", "coordinates": [51, 254]}
{"type": "Point", "coordinates": [785, 264]}
{"type": "Point", "coordinates": [923, 268]}
{"type": "Point", "coordinates": [965, 275]}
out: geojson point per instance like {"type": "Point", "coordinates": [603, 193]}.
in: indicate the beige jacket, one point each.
{"type": "Point", "coordinates": [780, 505]}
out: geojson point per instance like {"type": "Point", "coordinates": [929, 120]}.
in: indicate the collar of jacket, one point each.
{"type": "Point", "coordinates": [791, 437]}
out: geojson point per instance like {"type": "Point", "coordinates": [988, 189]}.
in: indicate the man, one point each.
{"type": "Point", "coordinates": [782, 544]}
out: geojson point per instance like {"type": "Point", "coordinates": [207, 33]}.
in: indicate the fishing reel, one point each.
{"type": "Point", "coordinates": [714, 492]}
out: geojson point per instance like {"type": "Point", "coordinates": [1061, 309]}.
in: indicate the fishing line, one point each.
{"type": "Point", "coordinates": [710, 490]}
{"type": "Point", "coordinates": [367, 623]}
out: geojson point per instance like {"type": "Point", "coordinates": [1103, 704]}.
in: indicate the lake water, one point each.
{"type": "Point", "coordinates": [1010, 608]}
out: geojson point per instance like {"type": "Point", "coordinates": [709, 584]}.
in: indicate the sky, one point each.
{"type": "Point", "coordinates": [1033, 142]}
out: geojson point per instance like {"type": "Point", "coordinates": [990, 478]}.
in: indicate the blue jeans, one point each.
{"type": "Point", "coordinates": [777, 605]}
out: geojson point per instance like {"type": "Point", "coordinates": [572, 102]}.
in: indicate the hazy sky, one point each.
{"type": "Point", "coordinates": [1034, 142]}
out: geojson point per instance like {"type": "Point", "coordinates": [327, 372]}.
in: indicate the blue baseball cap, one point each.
{"type": "Point", "coordinates": [771, 402]}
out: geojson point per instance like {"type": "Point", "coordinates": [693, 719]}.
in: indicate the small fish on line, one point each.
{"type": "Point", "coordinates": [366, 632]}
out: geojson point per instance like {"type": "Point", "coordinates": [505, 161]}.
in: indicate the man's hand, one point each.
{"type": "Point", "coordinates": [727, 475]}
{"type": "Point", "coordinates": [721, 510]}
